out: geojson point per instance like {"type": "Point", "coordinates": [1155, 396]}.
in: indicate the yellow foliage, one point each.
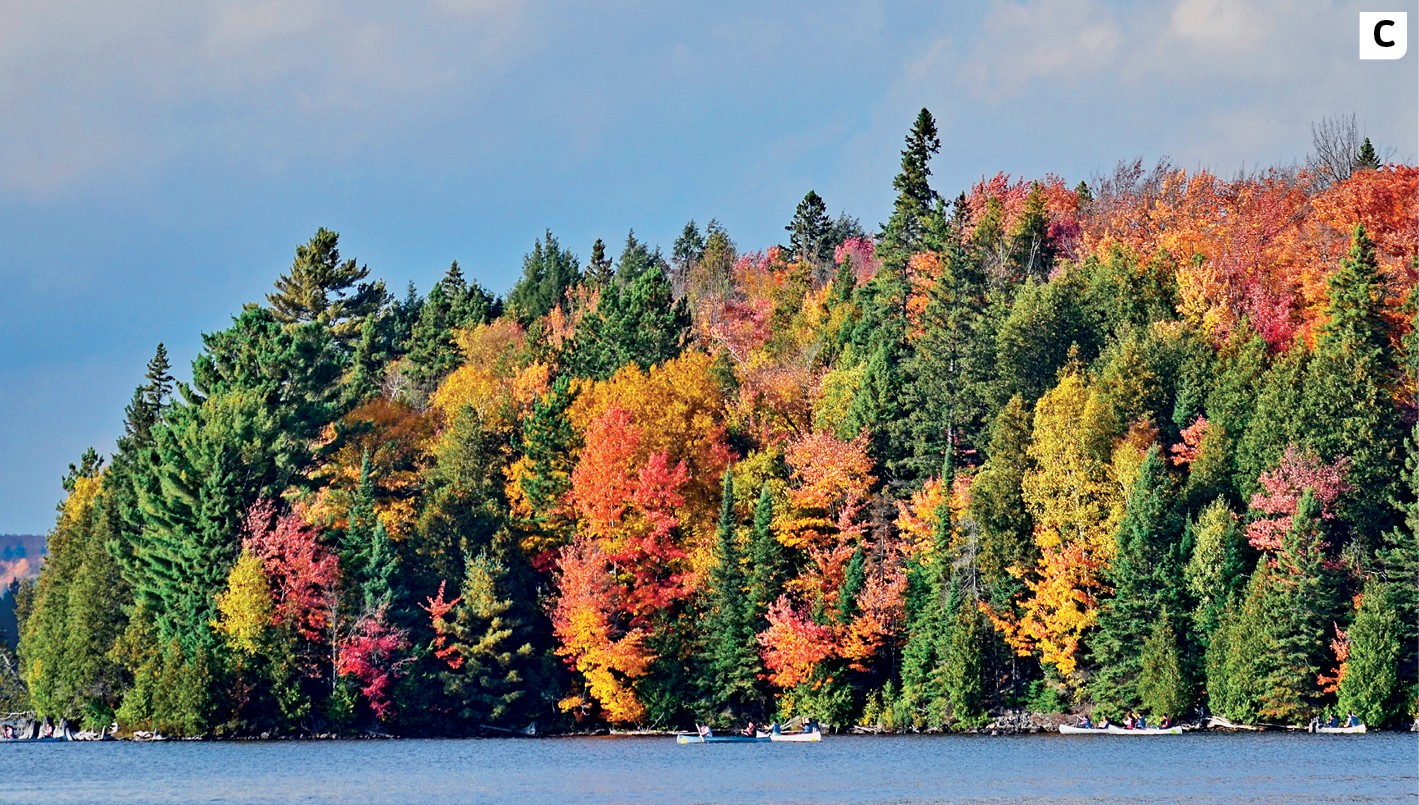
{"type": "Point", "coordinates": [245, 605]}
{"type": "Point", "coordinates": [835, 394]}
{"type": "Point", "coordinates": [490, 379]}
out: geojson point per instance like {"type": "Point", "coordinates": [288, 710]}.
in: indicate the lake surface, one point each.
{"type": "Point", "coordinates": [1195, 768]}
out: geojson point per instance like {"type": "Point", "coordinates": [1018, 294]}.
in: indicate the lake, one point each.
{"type": "Point", "coordinates": [1193, 768]}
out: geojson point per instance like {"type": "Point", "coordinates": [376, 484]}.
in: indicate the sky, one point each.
{"type": "Point", "coordinates": [161, 160]}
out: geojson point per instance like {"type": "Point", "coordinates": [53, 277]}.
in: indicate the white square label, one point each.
{"type": "Point", "coordinates": [1384, 34]}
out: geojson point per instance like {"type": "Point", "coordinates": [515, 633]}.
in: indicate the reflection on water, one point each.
{"type": "Point", "coordinates": [1269, 768]}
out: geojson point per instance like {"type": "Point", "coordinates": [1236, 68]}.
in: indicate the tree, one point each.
{"type": "Point", "coordinates": [638, 322]}
{"type": "Point", "coordinates": [1369, 686]}
{"type": "Point", "coordinates": [902, 234]}
{"type": "Point", "coordinates": [487, 648]}
{"type": "Point", "coordinates": [452, 305]}
{"type": "Point", "coordinates": [1216, 571]}
{"type": "Point", "coordinates": [998, 507]}
{"type": "Point", "coordinates": [1031, 249]}
{"type": "Point", "coordinates": [319, 288]}
{"type": "Point", "coordinates": [734, 658]}
{"type": "Point", "coordinates": [964, 671]}
{"type": "Point", "coordinates": [245, 605]}
{"type": "Point", "coordinates": [809, 231]}
{"type": "Point", "coordinates": [1366, 158]}
{"type": "Point", "coordinates": [547, 272]}
{"type": "Point", "coordinates": [1147, 579]}
{"type": "Point", "coordinates": [598, 269]}
{"type": "Point", "coordinates": [766, 563]}
{"type": "Point", "coordinates": [1162, 686]}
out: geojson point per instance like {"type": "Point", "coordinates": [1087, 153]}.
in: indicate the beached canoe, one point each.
{"type": "Point", "coordinates": [1355, 730]}
{"type": "Point", "coordinates": [1114, 729]}
{"type": "Point", "coordinates": [719, 739]}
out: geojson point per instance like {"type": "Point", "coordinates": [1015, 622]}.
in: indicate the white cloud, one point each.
{"type": "Point", "coordinates": [1224, 23]}
{"type": "Point", "coordinates": [1020, 43]}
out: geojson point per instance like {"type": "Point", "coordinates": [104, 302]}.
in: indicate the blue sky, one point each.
{"type": "Point", "coordinates": [162, 159]}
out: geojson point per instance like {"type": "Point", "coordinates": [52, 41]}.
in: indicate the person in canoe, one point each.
{"type": "Point", "coordinates": [704, 730]}
{"type": "Point", "coordinates": [1352, 721]}
{"type": "Point", "coordinates": [809, 725]}
{"type": "Point", "coordinates": [1104, 724]}
{"type": "Point", "coordinates": [1141, 723]}
{"type": "Point", "coordinates": [1128, 721]}
{"type": "Point", "coordinates": [1333, 722]}
{"type": "Point", "coordinates": [1165, 723]}
{"type": "Point", "coordinates": [748, 731]}
{"type": "Point", "coordinates": [776, 729]}
{"type": "Point", "coordinates": [1085, 723]}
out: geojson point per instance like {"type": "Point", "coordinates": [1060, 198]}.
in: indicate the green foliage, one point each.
{"type": "Point", "coordinates": [493, 647]}
{"type": "Point", "coordinates": [1162, 688]}
{"type": "Point", "coordinates": [452, 304]}
{"type": "Point", "coordinates": [636, 321]}
{"type": "Point", "coordinates": [1216, 571]}
{"type": "Point", "coordinates": [810, 231]}
{"type": "Point", "coordinates": [998, 508]}
{"type": "Point", "coordinates": [320, 289]}
{"type": "Point", "coordinates": [963, 676]}
{"type": "Point", "coordinates": [1370, 688]}
{"type": "Point", "coordinates": [547, 272]}
{"type": "Point", "coordinates": [903, 232]}
{"type": "Point", "coordinates": [729, 625]}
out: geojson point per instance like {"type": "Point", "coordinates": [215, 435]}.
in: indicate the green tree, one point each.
{"type": "Point", "coordinates": [998, 508]}
{"type": "Point", "coordinates": [491, 647]}
{"type": "Point", "coordinates": [1370, 688]}
{"type": "Point", "coordinates": [598, 268]}
{"type": "Point", "coordinates": [1147, 579]}
{"type": "Point", "coordinates": [452, 304]}
{"type": "Point", "coordinates": [766, 562]}
{"type": "Point", "coordinates": [1032, 252]}
{"type": "Point", "coordinates": [1163, 689]}
{"type": "Point", "coordinates": [963, 673]}
{"type": "Point", "coordinates": [320, 288]}
{"type": "Point", "coordinates": [1216, 571]}
{"type": "Point", "coordinates": [547, 272]}
{"type": "Point", "coordinates": [810, 231]}
{"type": "Point", "coordinates": [733, 656]}
{"type": "Point", "coordinates": [902, 234]}
{"type": "Point", "coordinates": [1366, 158]}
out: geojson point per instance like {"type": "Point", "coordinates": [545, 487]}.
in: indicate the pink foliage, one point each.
{"type": "Point", "coordinates": [302, 572]}
{"type": "Point", "coordinates": [863, 252]}
{"type": "Point", "coordinates": [1286, 485]}
{"type": "Point", "coordinates": [438, 610]}
{"type": "Point", "coordinates": [371, 655]}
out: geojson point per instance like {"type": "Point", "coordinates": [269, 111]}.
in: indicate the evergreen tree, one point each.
{"type": "Point", "coordinates": [932, 603]}
{"type": "Point", "coordinates": [766, 563]}
{"type": "Point", "coordinates": [902, 234]}
{"type": "Point", "coordinates": [1216, 570]}
{"type": "Point", "coordinates": [366, 366]}
{"type": "Point", "coordinates": [1366, 158]}
{"type": "Point", "coordinates": [963, 674]}
{"type": "Point", "coordinates": [452, 304]}
{"type": "Point", "coordinates": [734, 657]}
{"type": "Point", "coordinates": [876, 409]}
{"type": "Point", "coordinates": [1370, 688]}
{"type": "Point", "coordinates": [810, 231]}
{"type": "Point", "coordinates": [1032, 252]}
{"type": "Point", "coordinates": [488, 647]}
{"type": "Point", "coordinates": [547, 272]}
{"type": "Point", "coordinates": [1163, 689]}
{"type": "Point", "coordinates": [320, 288]}
{"type": "Point", "coordinates": [1006, 527]}
{"type": "Point", "coordinates": [1147, 579]}
{"type": "Point", "coordinates": [638, 323]}
{"type": "Point", "coordinates": [547, 442]}
{"type": "Point", "coordinates": [598, 269]}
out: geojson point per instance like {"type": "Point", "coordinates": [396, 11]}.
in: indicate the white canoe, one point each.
{"type": "Point", "coordinates": [793, 737]}
{"type": "Point", "coordinates": [1114, 729]}
{"type": "Point", "coordinates": [1355, 730]}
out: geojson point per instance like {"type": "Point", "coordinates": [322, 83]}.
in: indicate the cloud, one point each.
{"type": "Point", "coordinates": [1020, 43]}
{"type": "Point", "coordinates": [1232, 24]}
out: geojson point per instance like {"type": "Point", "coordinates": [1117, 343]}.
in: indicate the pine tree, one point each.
{"type": "Point", "coordinates": [488, 647]}
{"type": "Point", "coordinates": [598, 269]}
{"type": "Point", "coordinates": [1366, 158]}
{"type": "Point", "coordinates": [1163, 690]}
{"type": "Point", "coordinates": [876, 409]}
{"type": "Point", "coordinates": [1370, 688]}
{"type": "Point", "coordinates": [1032, 252]}
{"type": "Point", "coordinates": [766, 562]}
{"type": "Point", "coordinates": [1007, 529]}
{"type": "Point", "coordinates": [1147, 579]}
{"type": "Point", "coordinates": [963, 675]}
{"type": "Point", "coordinates": [1216, 570]}
{"type": "Point", "coordinates": [320, 288]}
{"type": "Point", "coordinates": [809, 231]}
{"type": "Point", "coordinates": [547, 442]}
{"type": "Point", "coordinates": [734, 657]}
{"type": "Point", "coordinates": [931, 609]}
{"type": "Point", "coordinates": [547, 272]}
{"type": "Point", "coordinates": [902, 234]}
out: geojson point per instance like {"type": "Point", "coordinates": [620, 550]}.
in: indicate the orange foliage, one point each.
{"type": "Point", "coordinates": [397, 438]}
{"type": "Point", "coordinates": [1062, 606]}
{"type": "Point", "coordinates": [593, 640]}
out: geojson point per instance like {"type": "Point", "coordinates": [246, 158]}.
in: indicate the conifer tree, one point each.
{"type": "Point", "coordinates": [547, 272]}
{"type": "Point", "coordinates": [487, 647]}
{"type": "Point", "coordinates": [932, 603]}
{"type": "Point", "coordinates": [320, 288]}
{"type": "Point", "coordinates": [1032, 252]}
{"type": "Point", "coordinates": [547, 441]}
{"type": "Point", "coordinates": [876, 409]}
{"type": "Point", "coordinates": [902, 234]}
{"type": "Point", "coordinates": [1007, 529]}
{"type": "Point", "coordinates": [1216, 570]}
{"type": "Point", "coordinates": [1366, 158]}
{"type": "Point", "coordinates": [1163, 689]}
{"type": "Point", "coordinates": [1370, 688]}
{"type": "Point", "coordinates": [598, 268]}
{"type": "Point", "coordinates": [809, 231]}
{"type": "Point", "coordinates": [1147, 579]}
{"type": "Point", "coordinates": [734, 657]}
{"type": "Point", "coordinates": [963, 674]}
{"type": "Point", "coordinates": [766, 562]}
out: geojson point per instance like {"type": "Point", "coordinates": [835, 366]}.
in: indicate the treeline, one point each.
{"type": "Point", "coordinates": [1141, 444]}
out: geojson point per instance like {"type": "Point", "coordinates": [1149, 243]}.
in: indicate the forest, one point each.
{"type": "Point", "coordinates": [1141, 443]}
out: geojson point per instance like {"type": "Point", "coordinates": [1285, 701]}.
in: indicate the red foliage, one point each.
{"type": "Point", "coordinates": [303, 573]}
{"type": "Point", "coordinates": [1284, 488]}
{"type": "Point", "coordinates": [863, 252]}
{"type": "Point", "coordinates": [371, 655]}
{"type": "Point", "coordinates": [1185, 452]}
{"type": "Point", "coordinates": [793, 645]}
{"type": "Point", "coordinates": [437, 609]}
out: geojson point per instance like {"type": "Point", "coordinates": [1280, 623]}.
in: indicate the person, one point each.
{"type": "Point", "coordinates": [1165, 723]}
{"type": "Point", "coordinates": [1128, 721]}
{"type": "Point", "coordinates": [749, 730]}
{"type": "Point", "coordinates": [1142, 723]}
{"type": "Point", "coordinates": [809, 725]}
{"type": "Point", "coordinates": [1104, 724]}
{"type": "Point", "coordinates": [1352, 721]}
{"type": "Point", "coordinates": [705, 731]}
{"type": "Point", "coordinates": [776, 729]}
{"type": "Point", "coordinates": [1085, 722]}
{"type": "Point", "coordinates": [1333, 722]}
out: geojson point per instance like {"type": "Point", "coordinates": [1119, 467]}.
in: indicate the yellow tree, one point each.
{"type": "Point", "coordinates": [245, 606]}
{"type": "Point", "coordinates": [1076, 503]}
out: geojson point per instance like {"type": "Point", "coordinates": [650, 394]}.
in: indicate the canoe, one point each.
{"type": "Point", "coordinates": [796, 737]}
{"type": "Point", "coordinates": [1355, 730]}
{"type": "Point", "coordinates": [719, 739]}
{"type": "Point", "coordinates": [1114, 729]}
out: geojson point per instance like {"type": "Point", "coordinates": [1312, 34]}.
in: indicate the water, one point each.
{"type": "Point", "coordinates": [1198, 768]}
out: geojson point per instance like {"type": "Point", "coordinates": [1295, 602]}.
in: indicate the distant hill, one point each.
{"type": "Point", "coordinates": [20, 555]}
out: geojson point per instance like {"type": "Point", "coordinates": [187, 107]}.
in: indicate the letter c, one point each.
{"type": "Point", "coordinates": [1378, 41]}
